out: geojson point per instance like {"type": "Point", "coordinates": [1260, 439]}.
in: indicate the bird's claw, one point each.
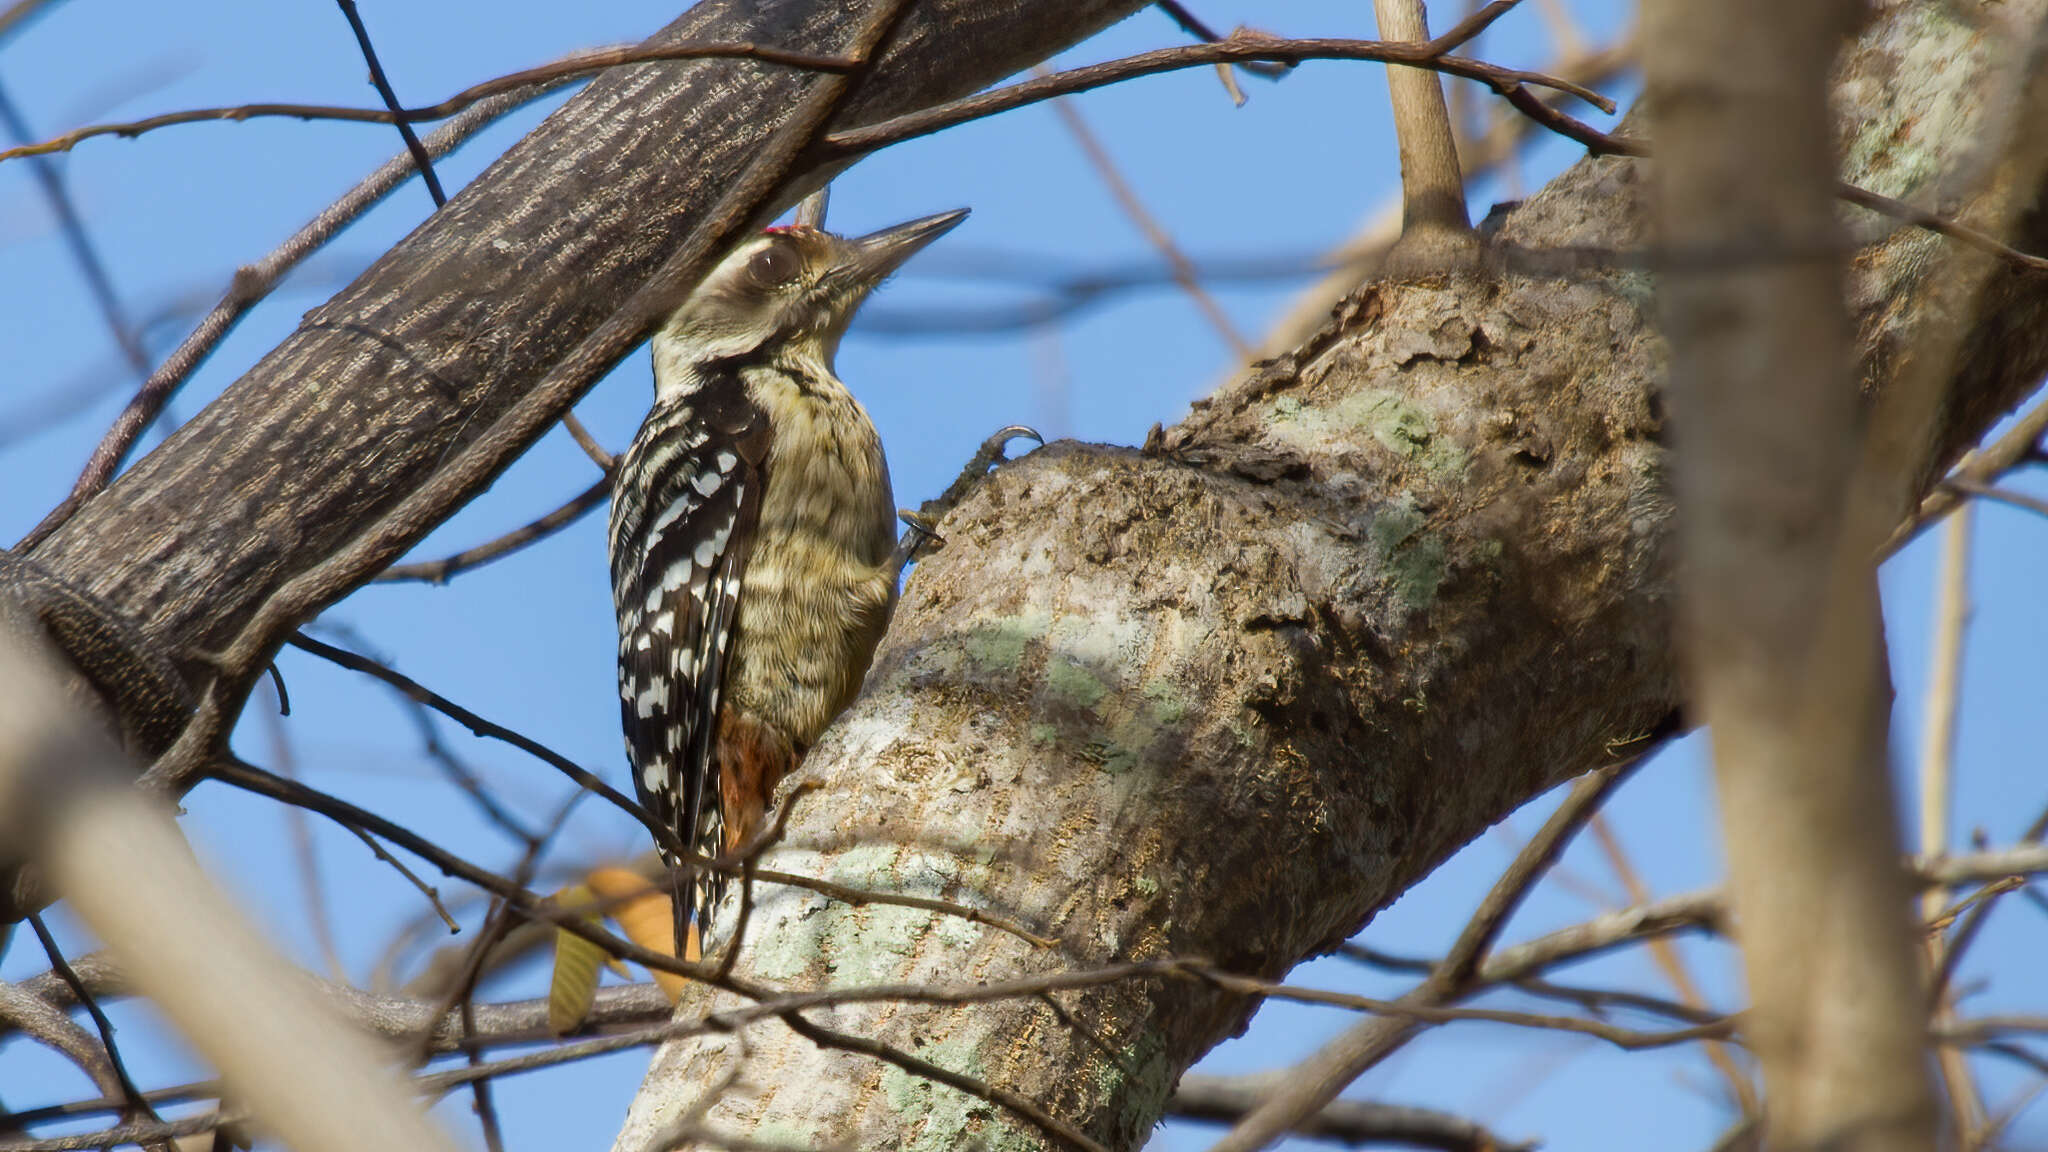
{"type": "Point", "coordinates": [923, 538]}
{"type": "Point", "coordinates": [993, 451]}
{"type": "Point", "coordinates": [918, 541]}
{"type": "Point", "coordinates": [997, 446]}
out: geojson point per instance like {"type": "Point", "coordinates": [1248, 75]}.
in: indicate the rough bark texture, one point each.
{"type": "Point", "coordinates": [445, 331]}
{"type": "Point", "coordinates": [1229, 695]}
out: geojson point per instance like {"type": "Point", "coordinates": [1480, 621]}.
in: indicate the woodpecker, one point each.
{"type": "Point", "coordinates": [754, 560]}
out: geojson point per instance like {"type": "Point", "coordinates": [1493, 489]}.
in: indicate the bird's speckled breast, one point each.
{"type": "Point", "coordinates": [818, 581]}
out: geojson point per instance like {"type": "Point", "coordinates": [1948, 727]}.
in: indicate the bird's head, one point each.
{"type": "Point", "coordinates": [792, 291]}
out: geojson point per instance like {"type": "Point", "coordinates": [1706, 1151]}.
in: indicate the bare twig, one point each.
{"type": "Point", "coordinates": [1244, 46]}
{"type": "Point", "coordinates": [584, 440]}
{"type": "Point", "coordinates": [137, 1107]}
{"type": "Point", "coordinates": [1194, 26]}
{"type": "Point", "coordinates": [1024, 1106]}
{"type": "Point", "coordinates": [24, 1012]}
{"type": "Point", "coordinates": [312, 887]}
{"type": "Point", "coordinates": [390, 98]}
{"type": "Point", "coordinates": [414, 690]}
{"type": "Point", "coordinates": [2020, 500]}
{"type": "Point", "coordinates": [572, 68]}
{"type": "Point", "coordinates": [439, 571]}
{"type": "Point", "coordinates": [1981, 467]}
{"type": "Point", "coordinates": [1672, 964]}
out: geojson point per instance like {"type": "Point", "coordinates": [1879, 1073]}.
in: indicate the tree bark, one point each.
{"type": "Point", "coordinates": [1229, 695]}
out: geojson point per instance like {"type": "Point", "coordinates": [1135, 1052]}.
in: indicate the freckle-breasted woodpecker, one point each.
{"type": "Point", "coordinates": [753, 552]}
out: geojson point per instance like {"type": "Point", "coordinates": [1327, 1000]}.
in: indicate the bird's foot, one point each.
{"type": "Point", "coordinates": [922, 538]}
{"type": "Point", "coordinates": [993, 451]}
{"type": "Point", "coordinates": [917, 542]}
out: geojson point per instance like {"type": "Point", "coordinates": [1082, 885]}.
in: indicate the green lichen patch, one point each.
{"type": "Point", "coordinates": [1414, 559]}
{"type": "Point", "coordinates": [1392, 420]}
{"type": "Point", "coordinates": [998, 647]}
{"type": "Point", "coordinates": [1073, 683]}
{"type": "Point", "coordinates": [937, 1118]}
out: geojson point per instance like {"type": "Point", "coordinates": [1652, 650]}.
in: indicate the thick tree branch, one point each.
{"type": "Point", "coordinates": [1229, 695]}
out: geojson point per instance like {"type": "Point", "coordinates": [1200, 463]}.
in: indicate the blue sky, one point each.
{"type": "Point", "coordinates": [530, 640]}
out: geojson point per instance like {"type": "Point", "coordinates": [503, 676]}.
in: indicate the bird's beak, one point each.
{"type": "Point", "coordinates": [878, 254]}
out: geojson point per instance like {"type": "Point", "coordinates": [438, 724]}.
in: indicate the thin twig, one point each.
{"type": "Point", "coordinates": [391, 104]}
{"type": "Point", "coordinates": [573, 68]}
{"type": "Point", "coordinates": [1194, 26]}
{"type": "Point", "coordinates": [1242, 47]}
{"type": "Point", "coordinates": [2019, 500]}
{"type": "Point", "coordinates": [455, 768]}
{"type": "Point", "coordinates": [1416, 1011]}
{"type": "Point", "coordinates": [974, 1086]}
{"type": "Point", "coordinates": [413, 689]}
{"type": "Point", "coordinates": [312, 888]}
{"type": "Point", "coordinates": [439, 571]}
{"type": "Point", "coordinates": [1966, 934]}
{"type": "Point", "coordinates": [584, 440]}
{"type": "Point", "coordinates": [1601, 143]}
{"type": "Point", "coordinates": [138, 1106]}
{"type": "Point", "coordinates": [1668, 961]}
{"type": "Point", "coordinates": [1983, 466]}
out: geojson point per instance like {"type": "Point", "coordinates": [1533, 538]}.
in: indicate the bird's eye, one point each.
{"type": "Point", "coordinates": [774, 266]}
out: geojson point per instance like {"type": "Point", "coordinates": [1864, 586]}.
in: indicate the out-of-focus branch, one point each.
{"type": "Point", "coordinates": [1937, 788]}
{"type": "Point", "coordinates": [17, 14]}
{"type": "Point", "coordinates": [1161, 240]}
{"type": "Point", "coordinates": [118, 859]}
{"type": "Point", "coordinates": [1778, 614]}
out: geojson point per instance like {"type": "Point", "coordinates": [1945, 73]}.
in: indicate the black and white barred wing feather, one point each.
{"type": "Point", "coordinates": [688, 495]}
